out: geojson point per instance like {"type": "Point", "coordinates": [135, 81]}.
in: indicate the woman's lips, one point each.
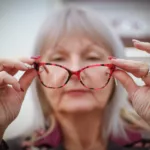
{"type": "Point", "coordinates": [76, 92]}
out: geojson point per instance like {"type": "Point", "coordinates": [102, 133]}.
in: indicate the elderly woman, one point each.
{"type": "Point", "coordinates": [76, 84]}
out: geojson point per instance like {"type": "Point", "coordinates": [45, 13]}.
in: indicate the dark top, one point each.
{"type": "Point", "coordinates": [111, 146]}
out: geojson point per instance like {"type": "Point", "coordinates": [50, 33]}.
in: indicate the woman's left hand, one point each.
{"type": "Point", "coordinates": [138, 95]}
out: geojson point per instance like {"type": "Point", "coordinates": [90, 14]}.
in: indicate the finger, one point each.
{"type": "Point", "coordinates": [9, 63]}
{"type": "Point", "coordinates": [12, 66]}
{"type": "Point", "coordinates": [27, 78]}
{"type": "Point", "coordinates": [145, 46]}
{"type": "Point", "coordinates": [5, 79]}
{"type": "Point", "coordinates": [138, 69]}
{"type": "Point", "coordinates": [138, 144]}
{"type": "Point", "coordinates": [147, 145]}
{"type": "Point", "coordinates": [146, 79]}
{"type": "Point", "coordinates": [127, 82]}
{"type": "Point", "coordinates": [11, 71]}
{"type": "Point", "coordinates": [27, 60]}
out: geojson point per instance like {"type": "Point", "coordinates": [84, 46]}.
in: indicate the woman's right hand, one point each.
{"type": "Point", "coordinates": [12, 91]}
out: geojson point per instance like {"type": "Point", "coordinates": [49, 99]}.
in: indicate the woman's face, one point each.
{"type": "Point", "coordinates": [75, 53]}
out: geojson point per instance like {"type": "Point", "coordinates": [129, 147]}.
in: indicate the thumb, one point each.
{"type": "Point", "coordinates": [126, 80]}
{"type": "Point", "coordinates": [27, 78]}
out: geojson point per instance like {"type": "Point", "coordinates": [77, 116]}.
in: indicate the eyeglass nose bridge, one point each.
{"type": "Point", "coordinates": [76, 73]}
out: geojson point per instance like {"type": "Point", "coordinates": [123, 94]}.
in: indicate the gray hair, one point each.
{"type": "Point", "coordinates": [81, 20]}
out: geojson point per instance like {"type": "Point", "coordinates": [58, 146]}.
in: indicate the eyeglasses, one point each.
{"type": "Point", "coordinates": [56, 76]}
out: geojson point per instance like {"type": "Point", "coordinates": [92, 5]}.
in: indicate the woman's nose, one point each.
{"type": "Point", "coordinates": [75, 65]}
{"type": "Point", "coordinates": [75, 62]}
{"type": "Point", "coordinates": [75, 68]}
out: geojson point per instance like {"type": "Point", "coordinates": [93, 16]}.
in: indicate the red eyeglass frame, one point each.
{"type": "Point", "coordinates": [70, 72]}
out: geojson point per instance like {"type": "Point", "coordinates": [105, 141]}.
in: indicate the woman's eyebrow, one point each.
{"type": "Point", "coordinates": [57, 49]}
{"type": "Point", "coordinates": [94, 48]}
{"type": "Point", "coordinates": [89, 48]}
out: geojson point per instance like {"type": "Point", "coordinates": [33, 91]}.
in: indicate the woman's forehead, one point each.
{"type": "Point", "coordinates": [80, 43]}
{"type": "Point", "coordinates": [77, 41]}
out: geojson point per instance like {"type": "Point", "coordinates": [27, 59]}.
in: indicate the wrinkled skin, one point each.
{"type": "Point", "coordinates": [138, 95]}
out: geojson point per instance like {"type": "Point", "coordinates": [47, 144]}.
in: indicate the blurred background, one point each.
{"type": "Point", "coordinates": [20, 21]}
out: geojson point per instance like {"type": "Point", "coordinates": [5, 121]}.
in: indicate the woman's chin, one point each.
{"type": "Point", "coordinates": [78, 106]}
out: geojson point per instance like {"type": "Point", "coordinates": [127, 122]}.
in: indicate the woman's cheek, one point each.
{"type": "Point", "coordinates": [53, 96]}
{"type": "Point", "coordinates": [104, 94]}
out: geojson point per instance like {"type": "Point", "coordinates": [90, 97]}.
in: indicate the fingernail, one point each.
{"type": "Point", "coordinates": [36, 57]}
{"type": "Point", "coordinates": [137, 41]}
{"type": "Point", "coordinates": [28, 66]}
{"type": "Point", "coordinates": [111, 57]}
{"type": "Point", "coordinates": [22, 89]}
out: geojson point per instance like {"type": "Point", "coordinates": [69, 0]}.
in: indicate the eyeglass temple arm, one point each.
{"type": "Point", "coordinates": [36, 67]}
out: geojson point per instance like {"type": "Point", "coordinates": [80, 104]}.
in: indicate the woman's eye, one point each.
{"type": "Point", "coordinates": [58, 59]}
{"type": "Point", "coordinates": [93, 58]}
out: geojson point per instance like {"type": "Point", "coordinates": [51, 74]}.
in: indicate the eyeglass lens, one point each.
{"type": "Point", "coordinates": [92, 77]}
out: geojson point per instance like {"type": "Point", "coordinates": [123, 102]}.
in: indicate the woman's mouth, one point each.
{"type": "Point", "coordinates": [77, 92]}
